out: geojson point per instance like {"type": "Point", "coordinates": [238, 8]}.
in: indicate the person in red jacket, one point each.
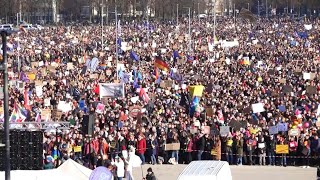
{"type": "Point", "coordinates": [141, 148]}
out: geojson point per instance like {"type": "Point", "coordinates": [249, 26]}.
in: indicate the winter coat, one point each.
{"type": "Point", "coordinates": [141, 146]}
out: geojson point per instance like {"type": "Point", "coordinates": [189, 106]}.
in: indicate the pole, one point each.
{"type": "Point", "coordinates": [147, 21]}
{"type": "Point", "coordinates": [266, 8]}
{"type": "Point", "coordinates": [214, 21]}
{"type": "Point", "coordinates": [235, 14]}
{"type": "Point", "coordinates": [6, 105]}
{"type": "Point", "coordinates": [249, 6]}
{"type": "Point", "coordinates": [177, 14]}
{"type": "Point", "coordinates": [20, 9]}
{"type": "Point", "coordinates": [17, 19]}
{"type": "Point", "coordinates": [199, 12]}
{"type": "Point", "coordinates": [189, 30]}
{"type": "Point", "coordinates": [107, 18]}
{"type": "Point", "coordinates": [115, 10]}
{"type": "Point", "coordinates": [102, 25]}
{"type": "Point", "coordinates": [259, 8]}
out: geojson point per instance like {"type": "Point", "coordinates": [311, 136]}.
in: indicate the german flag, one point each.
{"type": "Point", "coordinates": [161, 64]}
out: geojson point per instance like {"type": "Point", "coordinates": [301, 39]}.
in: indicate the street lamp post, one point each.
{"type": "Point", "coordinates": [189, 29]}
{"type": "Point", "coordinates": [117, 51]}
{"type": "Point", "coordinates": [177, 14]}
{"type": "Point", "coordinates": [4, 69]}
{"type": "Point", "coordinates": [102, 25]}
{"type": "Point", "coordinates": [214, 20]}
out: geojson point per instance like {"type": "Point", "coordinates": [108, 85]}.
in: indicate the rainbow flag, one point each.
{"type": "Point", "coordinates": [159, 63]}
{"type": "Point", "coordinates": [18, 114]}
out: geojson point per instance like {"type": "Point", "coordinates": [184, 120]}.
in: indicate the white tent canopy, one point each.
{"type": "Point", "coordinates": [68, 170]}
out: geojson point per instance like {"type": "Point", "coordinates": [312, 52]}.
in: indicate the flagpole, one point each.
{"type": "Point", "coordinates": [115, 8]}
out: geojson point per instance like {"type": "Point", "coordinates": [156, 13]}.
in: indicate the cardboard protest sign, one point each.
{"type": "Point", "coordinates": [70, 66]}
{"type": "Point", "coordinates": [224, 130]}
{"type": "Point", "coordinates": [273, 130]}
{"type": "Point", "coordinates": [46, 114]}
{"type": "Point", "coordinates": [282, 149]}
{"type": "Point", "coordinates": [172, 147]}
{"type": "Point", "coordinates": [34, 64]}
{"type": "Point", "coordinates": [235, 124]}
{"type": "Point", "coordinates": [258, 107]}
{"type": "Point", "coordinates": [196, 90]}
{"type": "Point", "coordinates": [311, 90]}
{"type": "Point", "coordinates": [56, 114]}
{"type": "Point", "coordinates": [94, 76]}
{"type": "Point", "coordinates": [209, 111]}
{"type": "Point", "coordinates": [168, 83]}
{"type": "Point", "coordinates": [287, 89]}
{"type": "Point", "coordinates": [282, 80]}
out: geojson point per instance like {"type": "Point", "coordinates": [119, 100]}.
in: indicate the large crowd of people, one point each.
{"type": "Point", "coordinates": [236, 96]}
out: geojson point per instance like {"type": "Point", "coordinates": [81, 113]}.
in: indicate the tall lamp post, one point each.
{"type": "Point", "coordinates": [4, 69]}
{"type": "Point", "coordinates": [189, 28]}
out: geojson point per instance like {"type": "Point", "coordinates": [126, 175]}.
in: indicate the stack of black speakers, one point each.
{"type": "Point", "coordinates": [26, 150]}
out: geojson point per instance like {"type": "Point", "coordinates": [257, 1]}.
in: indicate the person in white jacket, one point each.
{"type": "Point", "coordinates": [120, 167]}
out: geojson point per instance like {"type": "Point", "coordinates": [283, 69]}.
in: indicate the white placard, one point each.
{"type": "Point", "coordinates": [261, 145]}
{"type": "Point", "coordinates": [39, 91]}
{"type": "Point", "coordinates": [224, 130]}
{"type": "Point", "coordinates": [258, 107]}
{"type": "Point", "coordinates": [306, 76]}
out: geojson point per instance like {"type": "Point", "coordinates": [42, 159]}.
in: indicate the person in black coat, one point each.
{"type": "Point", "coordinates": [201, 144]}
{"type": "Point", "coordinates": [150, 175]}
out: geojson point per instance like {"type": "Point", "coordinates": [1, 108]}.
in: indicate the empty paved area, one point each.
{"type": "Point", "coordinates": [171, 172]}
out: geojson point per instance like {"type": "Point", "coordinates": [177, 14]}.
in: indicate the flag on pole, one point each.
{"type": "Point", "coordinates": [134, 56]}
{"type": "Point", "coordinates": [143, 95]}
{"type": "Point", "coordinates": [159, 63]}
{"type": "Point", "coordinates": [38, 118]}
{"type": "Point", "coordinates": [26, 100]}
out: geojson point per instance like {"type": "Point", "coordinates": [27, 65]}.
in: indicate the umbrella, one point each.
{"type": "Point", "coordinates": [101, 173]}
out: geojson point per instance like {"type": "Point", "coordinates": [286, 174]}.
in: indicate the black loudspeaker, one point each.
{"type": "Point", "coordinates": [88, 124]}
{"type": "Point", "coordinates": [26, 150]}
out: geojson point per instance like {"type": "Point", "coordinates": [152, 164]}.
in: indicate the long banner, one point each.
{"type": "Point", "coordinates": [111, 90]}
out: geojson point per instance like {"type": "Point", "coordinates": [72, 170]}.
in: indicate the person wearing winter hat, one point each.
{"type": "Point", "coordinates": [150, 175]}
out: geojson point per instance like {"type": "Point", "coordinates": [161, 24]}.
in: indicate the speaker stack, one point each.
{"type": "Point", "coordinates": [26, 150]}
{"type": "Point", "coordinates": [88, 124]}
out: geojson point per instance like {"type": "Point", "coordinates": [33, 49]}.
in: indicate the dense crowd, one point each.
{"type": "Point", "coordinates": [247, 80]}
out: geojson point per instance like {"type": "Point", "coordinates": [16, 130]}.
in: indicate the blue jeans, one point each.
{"type": "Point", "coordinates": [153, 159]}
{"type": "Point", "coordinates": [119, 178]}
{"type": "Point", "coordinates": [239, 161]}
{"type": "Point", "coordinates": [199, 155]}
{"type": "Point", "coordinates": [272, 158]}
{"type": "Point", "coordinates": [284, 160]}
{"type": "Point", "coordinates": [175, 155]}
{"type": "Point", "coordinates": [143, 159]}
{"type": "Point", "coordinates": [230, 157]}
